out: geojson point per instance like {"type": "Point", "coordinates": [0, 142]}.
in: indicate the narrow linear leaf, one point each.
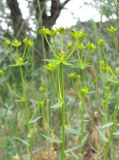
{"type": "Point", "coordinates": [57, 105]}
{"type": "Point", "coordinates": [74, 155]}
{"type": "Point", "coordinates": [21, 140]}
{"type": "Point", "coordinates": [34, 120]}
{"type": "Point", "coordinates": [69, 129]}
{"type": "Point", "coordinates": [67, 63]}
{"type": "Point", "coordinates": [103, 137]}
{"type": "Point", "coordinates": [108, 125]}
{"type": "Point", "coordinates": [50, 139]}
{"type": "Point", "coordinates": [74, 148]}
{"type": "Point", "coordinates": [17, 65]}
{"type": "Point", "coordinates": [77, 146]}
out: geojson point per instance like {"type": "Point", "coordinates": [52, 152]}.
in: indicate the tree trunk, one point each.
{"type": "Point", "coordinates": [19, 24]}
{"type": "Point", "coordinates": [47, 21]}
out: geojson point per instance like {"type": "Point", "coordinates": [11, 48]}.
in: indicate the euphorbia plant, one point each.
{"type": "Point", "coordinates": [60, 59]}
{"type": "Point", "coordinates": [21, 60]}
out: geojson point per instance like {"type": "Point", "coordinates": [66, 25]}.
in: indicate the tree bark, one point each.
{"type": "Point", "coordinates": [43, 19]}
{"type": "Point", "coordinates": [56, 7]}
{"type": "Point", "coordinates": [19, 24]}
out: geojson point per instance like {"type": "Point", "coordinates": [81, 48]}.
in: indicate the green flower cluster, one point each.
{"type": "Point", "coordinates": [47, 32]}
{"type": "Point", "coordinates": [74, 75]}
{"type": "Point", "coordinates": [112, 29]}
{"type": "Point", "coordinates": [78, 35]}
{"type": "Point", "coordinates": [84, 91]}
{"type": "Point", "coordinates": [16, 43]}
{"type": "Point", "coordinates": [1, 73]}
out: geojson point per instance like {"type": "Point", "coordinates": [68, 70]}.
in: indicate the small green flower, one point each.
{"type": "Point", "coordinates": [81, 46]}
{"type": "Point", "coordinates": [44, 31]}
{"type": "Point", "coordinates": [74, 75]}
{"type": "Point", "coordinates": [42, 89]}
{"type": "Point", "coordinates": [69, 46]}
{"type": "Point", "coordinates": [42, 103]}
{"type": "Point", "coordinates": [19, 61]}
{"type": "Point", "coordinates": [107, 88]}
{"type": "Point", "coordinates": [51, 66]}
{"type": "Point", "coordinates": [7, 42]}
{"type": "Point", "coordinates": [102, 66]}
{"type": "Point", "coordinates": [28, 42]}
{"type": "Point", "coordinates": [78, 35]}
{"type": "Point", "coordinates": [16, 43]}
{"type": "Point", "coordinates": [112, 29]}
{"type": "Point", "coordinates": [61, 55]}
{"type": "Point", "coordinates": [104, 102]}
{"type": "Point", "coordinates": [84, 91]}
{"type": "Point", "coordinates": [53, 32]}
{"type": "Point", "coordinates": [83, 65]}
{"type": "Point", "coordinates": [1, 73]}
{"type": "Point", "coordinates": [61, 30]}
{"type": "Point", "coordinates": [101, 42]}
{"type": "Point", "coordinates": [91, 46]}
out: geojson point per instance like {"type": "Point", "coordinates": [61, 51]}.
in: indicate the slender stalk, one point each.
{"type": "Point", "coordinates": [111, 133]}
{"type": "Point", "coordinates": [53, 81]}
{"type": "Point", "coordinates": [53, 52]}
{"type": "Point", "coordinates": [24, 52]}
{"type": "Point", "coordinates": [61, 42]}
{"type": "Point", "coordinates": [82, 106]}
{"type": "Point", "coordinates": [115, 43]}
{"type": "Point", "coordinates": [61, 92]}
{"type": "Point", "coordinates": [82, 112]}
{"type": "Point", "coordinates": [82, 117]}
{"type": "Point", "coordinates": [55, 45]}
{"type": "Point", "coordinates": [27, 111]}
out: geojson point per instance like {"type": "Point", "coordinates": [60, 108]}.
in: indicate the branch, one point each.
{"type": "Point", "coordinates": [56, 7]}
{"type": "Point", "coordinates": [64, 3]}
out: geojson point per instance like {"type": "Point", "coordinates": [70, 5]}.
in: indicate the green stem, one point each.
{"type": "Point", "coordinates": [27, 111]}
{"type": "Point", "coordinates": [111, 133]}
{"type": "Point", "coordinates": [24, 52]}
{"type": "Point", "coordinates": [53, 81]}
{"type": "Point", "coordinates": [115, 44]}
{"type": "Point", "coordinates": [82, 117]}
{"type": "Point", "coordinates": [83, 78]}
{"type": "Point", "coordinates": [61, 91]}
{"type": "Point", "coordinates": [61, 42]}
{"type": "Point", "coordinates": [53, 52]}
{"type": "Point", "coordinates": [55, 45]}
{"type": "Point", "coordinates": [82, 111]}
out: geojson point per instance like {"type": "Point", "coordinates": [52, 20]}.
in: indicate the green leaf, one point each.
{"type": "Point", "coordinates": [67, 63]}
{"type": "Point", "coordinates": [74, 148]}
{"type": "Point", "coordinates": [34, 120]}
{"type": "Point", "coordinates": [21, 140]}
{"type": "Point", "coordinates": [78, 146]}
{"type": "Point", "coordinates": [70, 53]}
{"type": "Point", "coordinates": [57, 105]}
{"type": "Point", "coordinates": [50, 139]}
{"type": "Point", "coordinates": [17, 65]}
{"type": "Point", "coordinates": [74, 155]}
{"type": "Point", "coordinates": [50, 60]}
{"type": "Point", "coordinates": [108, 125]}
{"type": "Point", "coordinates": [69, 129]}
{"type": "Point", "coordinates": [103, 137]}
{"type": "Point", "coordinates": [16, 94]}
